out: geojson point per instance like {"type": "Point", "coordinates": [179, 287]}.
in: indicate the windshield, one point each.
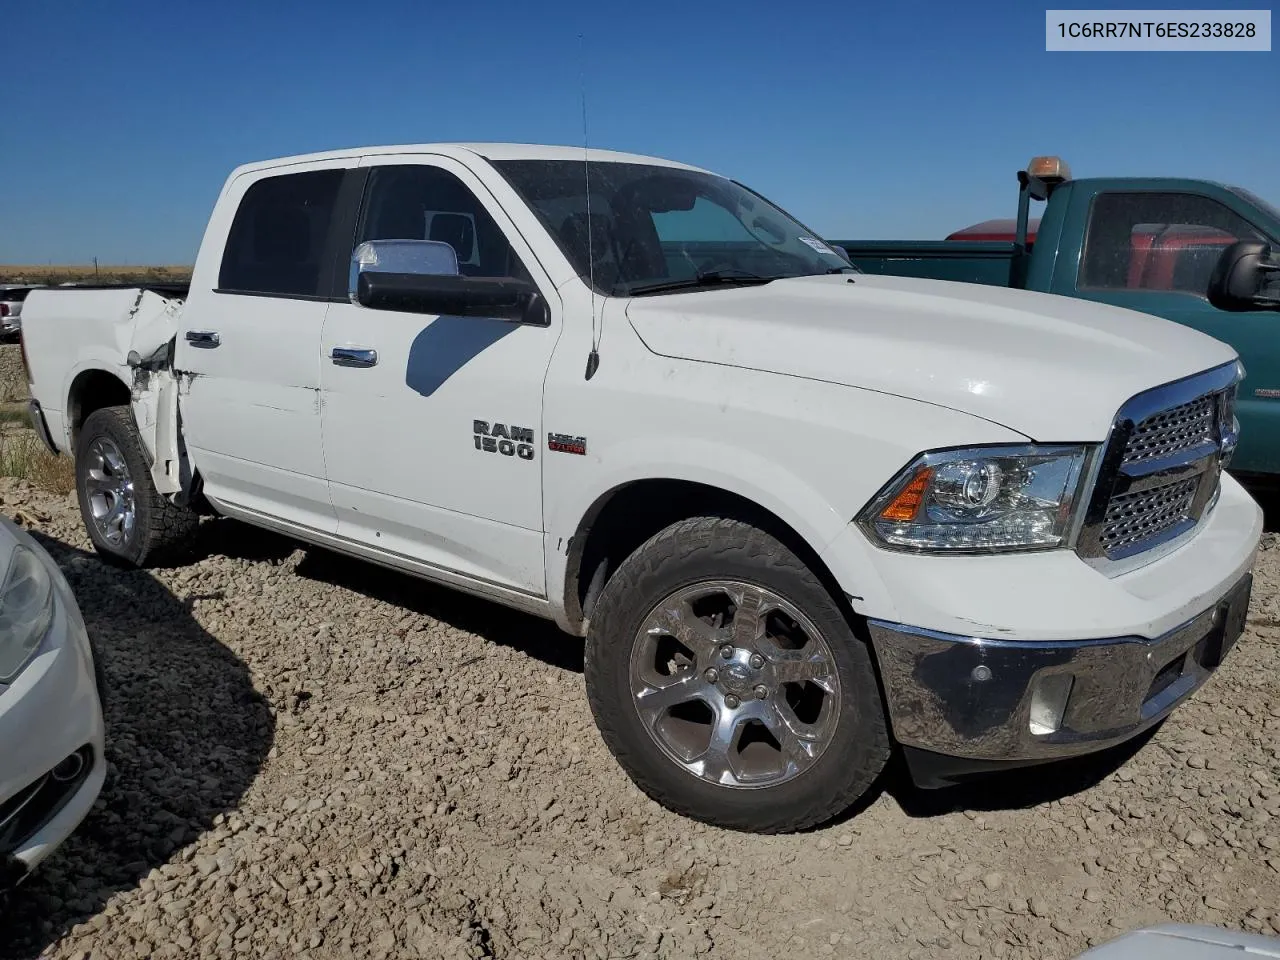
{"type": "Point", "coordinates": [656, 228]}
{"type": "Point", "coordinates": [1257, 201]}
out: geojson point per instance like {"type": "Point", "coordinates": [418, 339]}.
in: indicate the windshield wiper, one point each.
{"type": "Point", "coordinates": [709, 278]}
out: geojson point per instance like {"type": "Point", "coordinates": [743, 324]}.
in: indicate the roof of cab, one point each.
{"type": "Point", "coordinates": [488, 151]}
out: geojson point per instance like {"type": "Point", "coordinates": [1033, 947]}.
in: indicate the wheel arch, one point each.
{"type": "Point", "coordinates": [92, 389]}
{"type": "Point", "coordinates": [623, 517]}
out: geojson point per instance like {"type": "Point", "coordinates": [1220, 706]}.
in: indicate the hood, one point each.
{"type": "Point", "coordinates": [1053, 368]}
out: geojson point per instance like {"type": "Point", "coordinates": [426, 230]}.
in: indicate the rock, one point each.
{"type": "Point", "coordinates": [484, 816]}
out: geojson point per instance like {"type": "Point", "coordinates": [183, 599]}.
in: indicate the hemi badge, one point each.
{"type": "Point", "coordinates": [563, 443]}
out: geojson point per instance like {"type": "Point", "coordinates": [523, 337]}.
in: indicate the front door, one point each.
{"type": "Point", "coordinates": [1154, 251]}
{"type": "Point", "coordinates": [431, 423]}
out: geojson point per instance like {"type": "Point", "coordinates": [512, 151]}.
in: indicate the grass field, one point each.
{"type": "Point", "coordinates": [21, 452]}
{"type": "Point", "coordinates": [62, 273]}
{"type": "Point", "coordinates": [22, 455]}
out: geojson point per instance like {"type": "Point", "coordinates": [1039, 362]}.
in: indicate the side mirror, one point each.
{"type": "Point", "coordinates": [418, 257]}
{"type": "Point", "coordinates": [497, 298]}
{"type": "Point", "coordinates": [1241, 278]}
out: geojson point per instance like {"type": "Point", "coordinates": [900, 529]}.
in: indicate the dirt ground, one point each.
{"type": "Point", "coordinates": [312, 757]}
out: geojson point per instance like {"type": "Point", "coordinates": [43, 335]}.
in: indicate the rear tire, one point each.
{"type": "Point", "coordinates": [130, 523]}
{"type": "Point", "coordinates": [727, 681]}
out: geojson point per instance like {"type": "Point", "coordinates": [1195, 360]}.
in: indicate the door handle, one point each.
{"type": "Point", "coordinates": [203, 338]}
{"type": "Point", "coordinates": [353, 357]}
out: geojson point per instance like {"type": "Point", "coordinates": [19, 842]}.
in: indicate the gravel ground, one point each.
{"type": "Point", "coordinates": [312, 757]}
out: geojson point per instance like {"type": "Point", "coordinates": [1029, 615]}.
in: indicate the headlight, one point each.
{"type": "Point", "coordinates": [26, 611]}
{"type": "Point", "coordinates": [980, 500]}
{"type": "Point", "coordinates": [1229, 425]}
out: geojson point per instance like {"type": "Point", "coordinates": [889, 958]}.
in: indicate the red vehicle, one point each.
{"type": "Point", "coordinates": [1161, 256]}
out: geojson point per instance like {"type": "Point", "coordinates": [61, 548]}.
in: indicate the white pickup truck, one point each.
{"type": "Point", "coordinates": [800, 514]}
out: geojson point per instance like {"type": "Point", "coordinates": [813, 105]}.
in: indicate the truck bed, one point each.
{"type": "Point", "coordinates": [70, 330]}
{"type": "Point", "coordinates": [166, 288]}
{"type": "Point", "coordinates": [988, 262]}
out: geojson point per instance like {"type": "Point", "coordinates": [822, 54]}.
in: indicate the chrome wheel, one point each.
{"type": "Point", "coordinates": [735, 684]}
{"type": "Point", "coordinates": [109, 492]}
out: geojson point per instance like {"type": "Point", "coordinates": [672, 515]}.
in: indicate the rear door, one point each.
{"type": "Point", "coordinates": [248, 350]}
{"type": "Point", "coordinates": [1154, 250]}
{"type": "Point", "coordinates": [432, 443]}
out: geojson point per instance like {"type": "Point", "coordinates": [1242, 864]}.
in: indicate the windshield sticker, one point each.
{"type": "Point", "coordinates": [819, 246]}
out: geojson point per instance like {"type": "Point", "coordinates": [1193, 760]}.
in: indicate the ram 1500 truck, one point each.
{"type": "Point", "coordinates": [800, 514]}
{"type": "Point", "coordinates": [1199, 253]}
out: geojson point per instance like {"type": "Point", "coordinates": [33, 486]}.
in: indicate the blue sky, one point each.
{"type": "Point", "coordinates": [901, 120]}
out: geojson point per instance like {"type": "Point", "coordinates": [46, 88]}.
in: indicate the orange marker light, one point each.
{"type": "Point", "coordinates": [1049, 168]}
{"type": "Point", "coordinates": [906, 505]}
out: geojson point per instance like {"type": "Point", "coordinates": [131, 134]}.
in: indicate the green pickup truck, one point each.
{"type": "Point", "coordinates": [1192, 251]}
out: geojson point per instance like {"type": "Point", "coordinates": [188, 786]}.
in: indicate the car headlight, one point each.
{"type": "Point", "coordinates": [26, 611]}
{"type": "Point", "coordinates": [980, 500]}
{"type": "Point", "coordinates": [1229, 424]}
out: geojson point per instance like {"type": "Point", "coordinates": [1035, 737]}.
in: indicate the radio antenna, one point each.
{"type": "Point", "coordinates": [593, 358]}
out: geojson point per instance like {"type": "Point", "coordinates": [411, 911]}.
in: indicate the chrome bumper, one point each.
{"type": "Point", "coordinates": [1014, 700]}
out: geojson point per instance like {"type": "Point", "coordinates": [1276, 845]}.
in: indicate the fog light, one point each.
{"type": "Point", "coordinates": [1049, 702]}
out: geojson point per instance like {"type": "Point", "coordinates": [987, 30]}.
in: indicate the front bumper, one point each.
{"type": "Point", "coordinates": [1001, 661]}
{"type": "Point", "coordinates": [1011, 700]}
{"type": "Point", "coordinates": [50, 714]}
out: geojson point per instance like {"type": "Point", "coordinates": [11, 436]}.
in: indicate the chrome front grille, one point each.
{"type": "Point", "coordinates": [1174, 431]}
{"type": "Point", "coordinates": [1134, 517]}
{"type": "Point", "coordinates": [1161, 467]}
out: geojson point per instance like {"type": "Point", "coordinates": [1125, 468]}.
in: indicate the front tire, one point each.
{"type": "Point", "coordinates": [728, 683]}
{"type": "Point", "coordinates": [130, 523]}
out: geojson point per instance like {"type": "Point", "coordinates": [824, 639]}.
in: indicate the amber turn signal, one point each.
{"type": "Point", "coordinates": [904, 507]}
{"type": "Point", "coordinates": [1049, 168]}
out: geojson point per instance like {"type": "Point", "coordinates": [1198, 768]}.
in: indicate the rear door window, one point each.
{"type": "Point", "coordinates": [277, 240]}
{"type": "Point", "coordinates": [1157, 242]}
